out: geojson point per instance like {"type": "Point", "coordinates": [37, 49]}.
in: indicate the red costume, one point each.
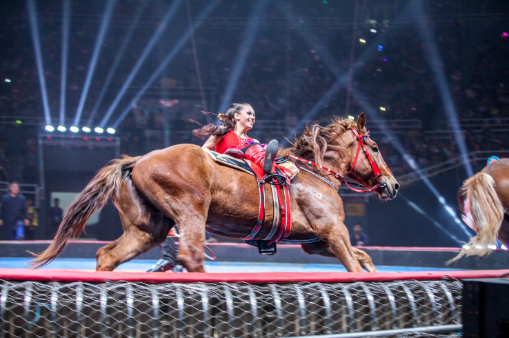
{"type": "Point", "coordinates": [255, 153]}
{"type": "Point", "coordinates": [231, 140]}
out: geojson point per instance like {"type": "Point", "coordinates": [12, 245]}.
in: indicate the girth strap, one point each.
{"type": "Point", "coordinates": [261, 213]}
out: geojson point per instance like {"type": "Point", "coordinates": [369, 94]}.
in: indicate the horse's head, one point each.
{"type": "Point", "coordinates": [366, 165]}
{"type": "Point", "coordinates": [339, 146]}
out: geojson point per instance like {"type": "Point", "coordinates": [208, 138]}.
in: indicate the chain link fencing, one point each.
{"type": "Point", "coordinates": [34, 309]}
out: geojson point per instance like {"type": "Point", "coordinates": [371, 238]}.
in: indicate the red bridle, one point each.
{"type": "Point", "coordinates": [376, 170]}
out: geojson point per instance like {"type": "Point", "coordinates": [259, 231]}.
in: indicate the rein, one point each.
{"type": "Point", "coordinates": [376, 170]}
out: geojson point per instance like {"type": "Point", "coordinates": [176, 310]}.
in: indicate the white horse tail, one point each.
{"type": "Point", "coordinates": [487, 214]}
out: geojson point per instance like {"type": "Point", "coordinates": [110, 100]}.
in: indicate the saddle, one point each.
{"type": "Point", "coordinates": [279, 181]}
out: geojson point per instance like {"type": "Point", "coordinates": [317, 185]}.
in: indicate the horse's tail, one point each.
{"type": "Point", "coordinates": [104, 185]}
{"type": "Point", "coordinates": [487, 213]}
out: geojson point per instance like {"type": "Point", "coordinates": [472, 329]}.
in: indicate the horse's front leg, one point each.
{"type": "Point", "coordinates": [324, 249]}
{"type": "Point", "coordinates": [338, 240]}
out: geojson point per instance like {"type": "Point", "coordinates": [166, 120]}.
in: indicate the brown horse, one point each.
{"type": "Point", "coordinates": [487, 195]}
{"type": "Point", "coordinates": [183, 185]}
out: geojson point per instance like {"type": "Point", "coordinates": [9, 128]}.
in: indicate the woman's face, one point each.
{"type": "Point", "coordinates": [245, 118]}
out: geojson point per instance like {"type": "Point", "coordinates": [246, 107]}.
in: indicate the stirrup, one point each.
{"type": "Point", "coordinates": [270, 156]}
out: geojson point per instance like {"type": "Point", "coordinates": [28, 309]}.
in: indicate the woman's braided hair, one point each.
{"type": "Point", "coordinates": [226, 122]}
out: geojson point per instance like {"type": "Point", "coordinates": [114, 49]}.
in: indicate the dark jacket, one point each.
{"type": "Point", "coordinates": [13, 209]}
{"type": "Point", "coordinates": [363, 238]}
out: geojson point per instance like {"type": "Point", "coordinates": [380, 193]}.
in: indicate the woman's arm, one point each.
{"type": "Point", "coordinates": [211, 142]}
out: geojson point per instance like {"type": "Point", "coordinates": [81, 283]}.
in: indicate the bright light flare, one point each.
{"type": "Point", "coordinates": [382, 109]}
{"type": "Point", "coordinates": [111, 130]}
{"type": "Point", "coordinates": [99, 130]}
{"type": "Point", "coordinates": [239, 65]}
{"type": "Point", "coordinates": [178, 46]}
{"type": "Point", "coordinates": [38, 57]}
{"type": "Point", "coordinates": [350, 117]}
{"type": "Point", "coordinates": [116, 63]}
{"type": "Point", "coordinates": [362, 41]}
{"type": "Point", "coordinates": [372, 30]}
{"type": "Point", "coordinates": [65, 52]}
{"type": "Point", "coordinates": [7, 80]}
{"type": "Point", "coordinates": [61, 128]}
{"type": "Point", "coordinates": [151, 44]}
{"type": "Point", "coordinates": [439, 74]}
{"type": "Point", "coordinates": [74, 129]}
{"type": "Point", "coordinates": [86, 129]}
{"type": "Point", "coordinates": [95, 55]}
{"type": "Point", "coordinates": [50, 128]}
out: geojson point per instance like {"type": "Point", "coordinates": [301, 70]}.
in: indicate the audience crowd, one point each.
{"type": "Point", "coordinates": [297, 56]}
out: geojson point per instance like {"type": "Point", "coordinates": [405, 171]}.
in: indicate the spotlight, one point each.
{"type": "Point", "coordinates": [86, 129]}
{"type": "Point", "coordinates": [350, 117]}
{"type": "Point", "coordinates": [111, 131]}
{"type": "Point", "coordinates": [99, 130]}
{"type": "Point", "coordinates": [372, 30]}
{"type": "Point", "coordinates": [49, 128]}
{"type": "Point", "coordinates": [19, 122]}
{"type": "Point", "coordinates": [61, 128]}
{"type": "Point", "coordinates": [362, 41]}
{"type": "Point", "coordinates": [380, 48]}
{"type": "Point", "coordinates": [7, 80]}
{"type": "Point", "coordinates": [74, 129]}
{"type": "Point", "coordinates": [382, 108]}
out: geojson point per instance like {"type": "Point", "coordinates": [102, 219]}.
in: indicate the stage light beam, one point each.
{"type": "Point", "coordinates": [65, 52]}
{"type": "Point", "coordinates": [116, 62]}
{"type": "Point", "coordinates": [95, 55]}
{"type": "Point", "coordinates": [151, 44]}
{"type": "Point", "coordinates": [372, 112]}
{"type": "Point", "coordinates": [436, 65]}
{"type": "Point", "coordinates": [198, 22]}
{"type": "Point", "coordinates": [243, 54]}
{"type": "Point", "coordinates": [38, 57]}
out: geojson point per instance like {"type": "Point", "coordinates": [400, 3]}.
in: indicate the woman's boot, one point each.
{"type": "Point", "coordinates": [263, 157]}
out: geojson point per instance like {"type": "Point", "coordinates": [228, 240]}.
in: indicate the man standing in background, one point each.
{"type": "Point", "coordinates": [14, 212]}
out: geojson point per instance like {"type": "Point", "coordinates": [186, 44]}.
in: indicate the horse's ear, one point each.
{"type": "Point", "coordinates": [361, 122]}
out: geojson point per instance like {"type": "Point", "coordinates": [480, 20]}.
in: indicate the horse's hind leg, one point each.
{"type": "Point", "coordinates": [144, 228]}
{"type": "Point", "coordinates": [323, 249]}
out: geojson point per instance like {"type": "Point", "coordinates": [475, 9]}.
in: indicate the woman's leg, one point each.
{"type": "Point", "coordinates": [263, 157]}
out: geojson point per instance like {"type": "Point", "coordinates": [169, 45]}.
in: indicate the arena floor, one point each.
{"type": "Point", "coordinates": [142, 265]}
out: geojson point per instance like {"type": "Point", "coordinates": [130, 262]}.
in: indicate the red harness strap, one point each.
{"type": "Point", "coordinates": [286, 219]}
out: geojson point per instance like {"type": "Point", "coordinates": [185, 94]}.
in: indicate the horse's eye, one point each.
{"type": "Point", "coordinates": [375, 149]}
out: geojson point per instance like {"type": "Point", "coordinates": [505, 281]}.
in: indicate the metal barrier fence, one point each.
{"type": "Point", "coordinates": [119, 309]}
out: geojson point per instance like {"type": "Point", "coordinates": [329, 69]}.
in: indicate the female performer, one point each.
{"type": "Point", "coordinates": [231, 133]}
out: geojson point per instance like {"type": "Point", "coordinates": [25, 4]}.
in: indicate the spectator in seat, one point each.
{"type": "Point", "coordinates": [33, 218]}
{"type": "Point", "coordinates": [358, 238]}
{"type": "Point", "coordinates": [55, 216]}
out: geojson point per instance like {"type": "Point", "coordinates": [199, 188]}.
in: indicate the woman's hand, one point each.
{"type": "Point", "coordinates": [211, 142]}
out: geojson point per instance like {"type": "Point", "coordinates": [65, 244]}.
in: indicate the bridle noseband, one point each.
{"type": "Point", "coordinates": [376, 170]}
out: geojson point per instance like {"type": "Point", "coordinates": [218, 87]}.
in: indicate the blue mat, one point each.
{"type": "Point", "coordinates": [142, 265]}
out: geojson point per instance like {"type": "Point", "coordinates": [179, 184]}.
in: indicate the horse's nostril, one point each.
{"type": "Point", "coordinates": [396, 186]}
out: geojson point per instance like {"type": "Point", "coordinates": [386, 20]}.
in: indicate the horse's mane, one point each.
{"type": "Point", "coordinates": [314, 143]}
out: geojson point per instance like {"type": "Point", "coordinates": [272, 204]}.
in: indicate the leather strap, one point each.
{"type": "Point", "coordinates": [261, 214]}
{"type": "Point", "coordinates": [275, 218]}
